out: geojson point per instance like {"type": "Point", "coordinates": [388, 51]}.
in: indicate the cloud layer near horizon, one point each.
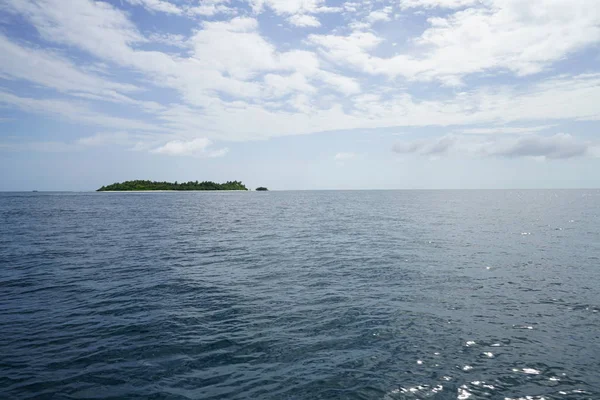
{"type": "Point", "coordinates": [559, 146]}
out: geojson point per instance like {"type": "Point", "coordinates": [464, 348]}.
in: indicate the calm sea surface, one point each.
{"type": "Point", "coordinates": [300, 295]}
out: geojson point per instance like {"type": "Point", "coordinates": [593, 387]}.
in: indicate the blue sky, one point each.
{"type": "Point", "coordinates": [300, 94]}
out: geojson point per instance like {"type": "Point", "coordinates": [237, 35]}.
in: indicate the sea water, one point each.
{"type": "Point", "coordinates": [300, 295]}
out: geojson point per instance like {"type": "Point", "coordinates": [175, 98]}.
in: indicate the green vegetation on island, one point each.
{"type": "Point", "coordinates": [261, 189]}
{"type": "Point", "coordinates": [128, 186]}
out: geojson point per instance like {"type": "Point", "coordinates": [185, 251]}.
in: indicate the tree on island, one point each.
{"type": "Point", "coordinates": [140, 185]}
{"type": "Point", "coordinates": [261, 189]}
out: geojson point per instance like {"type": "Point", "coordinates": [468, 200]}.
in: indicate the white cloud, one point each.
{"type": "Point", "coordinates": [209, 8]}
{"type": "Point", "coordinates": [352, 6]}
{"type": "Point", "coordinates": [194, 147]}
{"type": "Point", "coordinates": [305, 62]}
{"type": "Point", "coordinates": [478, 40]}
{"type": "Point", "coordinates": [348, 50]}
{"type": "Point", "coordinates": [205, 8]}
{"type": "Point", "coordinates": [49, 69]}
{"type": "Point", "coordinates": [344, 156]}
{"type": "Point", "coordinates": [245, 121]}
{"type": "Point", "coordinates": [157, 5]}
{"type": "Point", "coordinates": [553, 147]}
{"type": "Point", "coordinates": [328, 9]}
{"type": "Point", "coordinates": [169, 39]}
{"type": "Point", "coordinates": [559, 146]}
{"type": "Point", "coordinates": [179, 147]}
{"type": "Point", "coordinates": [303, 20]}
{"type": "Point", "coordinates": [242, 51]}
{"type": "Point", "coordinates": [239, 56]}
{"type": "Point", "coordinates": [379, 15]}
{"type": "Point", "coordinates": [428, 147]}
{"type": "Point", "coordinates": [236, 84]}
{"type": "Point", "coordinates": [567, 98]}
{"type": "Point", "coordinates": [359, 25]}
{"type": "Point", "coordinates": [340, 83]}
{"type": "Point", "coordinates": [78, 112]}
{"type": "Point", "coordinates": [291, 7]}
{"type": "Point", "coordinates": [238, 53]}
{"type": "Point", "coordinates": [404, 4]}
{"type": "Point", "coordinates": [53, 70]}
{"type": "Point", "coordinates": [280, 85]}
{"type": "Point", "coordinates": [505, 130]}
{"type": "Point", "coordinates": [93, 26]}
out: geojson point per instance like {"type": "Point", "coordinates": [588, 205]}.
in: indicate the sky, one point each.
{"type": "Point", "coordinates": [300, 94]}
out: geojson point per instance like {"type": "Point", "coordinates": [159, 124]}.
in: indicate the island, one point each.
{"type": "Point", "coordinates": [139, 185]}
{"type": "Point", "coordinates": [261, 189]}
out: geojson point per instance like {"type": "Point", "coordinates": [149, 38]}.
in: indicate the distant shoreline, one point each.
{"type": "Point", "coordinates": [169, 191]}
{"type": "Point", "coordinates": [154, 186]}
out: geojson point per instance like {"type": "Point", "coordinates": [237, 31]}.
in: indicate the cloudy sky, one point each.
{"type": "Point", "coordinates": [300, 94]}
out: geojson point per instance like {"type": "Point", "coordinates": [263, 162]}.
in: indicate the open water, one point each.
{"type": "Point", "coordinates": [300, 295]}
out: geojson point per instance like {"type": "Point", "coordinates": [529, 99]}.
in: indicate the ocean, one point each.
{"type": "Point", "coordinates": [300, 295]}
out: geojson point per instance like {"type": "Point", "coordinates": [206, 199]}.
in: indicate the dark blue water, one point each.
{"type": "Point", "coordinates": [300, 295]}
